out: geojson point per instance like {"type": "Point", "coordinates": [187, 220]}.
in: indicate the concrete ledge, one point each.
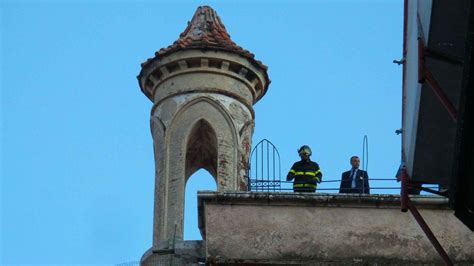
{"type": "Point", "coordinates": [320, 199]}
{"type": "Point", "coordinates": [300, 228]}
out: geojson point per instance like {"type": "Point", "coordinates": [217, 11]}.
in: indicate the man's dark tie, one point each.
{"type": "Point", "coordinates": [353, 182]}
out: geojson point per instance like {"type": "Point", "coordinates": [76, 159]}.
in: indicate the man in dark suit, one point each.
{"type": "Point", "coordinates": [355, 180]}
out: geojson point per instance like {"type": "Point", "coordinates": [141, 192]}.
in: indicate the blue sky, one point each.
{"type": "Point", "coordinates": [77, 159]}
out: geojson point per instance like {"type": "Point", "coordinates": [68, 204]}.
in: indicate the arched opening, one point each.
{"type": "Point", "coordinates": [201, 180]}
{"type": "Point", "coordinates": [201, 154]}
{"type": "Point", "coordinates": [201, 149]}
{"type": "Point", "coordinates": [200, 136]}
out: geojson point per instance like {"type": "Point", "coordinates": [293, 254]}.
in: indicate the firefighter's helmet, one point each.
{"type": "Point", "coordinates": [305, 149]}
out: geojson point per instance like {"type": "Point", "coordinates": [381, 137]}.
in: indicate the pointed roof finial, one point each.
{"type": "Point", "coordinates": [206, 31]}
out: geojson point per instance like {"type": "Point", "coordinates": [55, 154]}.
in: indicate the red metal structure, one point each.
{"type": "Point", "coordinates": [444, 73]}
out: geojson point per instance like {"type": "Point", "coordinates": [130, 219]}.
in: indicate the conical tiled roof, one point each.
{"type": "Point", "coordinates": [206, 31]}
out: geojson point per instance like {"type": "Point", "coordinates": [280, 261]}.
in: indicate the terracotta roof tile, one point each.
{"type": "Point", "coordinates": [205, 30]}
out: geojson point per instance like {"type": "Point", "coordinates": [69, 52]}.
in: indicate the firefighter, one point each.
{"type": "Point", "coordinates": [306, 173]}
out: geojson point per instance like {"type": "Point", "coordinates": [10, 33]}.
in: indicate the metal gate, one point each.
{"type": "Point", "coordinates": [264, 172]}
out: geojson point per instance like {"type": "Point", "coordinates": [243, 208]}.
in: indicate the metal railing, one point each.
{"type": "Point", "coordinates": [330, 186]}
{"type": "Point", "coordinates": [287, 186]}
{"type": "Point", "coordinates": [264, 174]}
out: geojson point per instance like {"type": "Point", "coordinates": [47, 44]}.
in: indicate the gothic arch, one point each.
{"type": "Point", "coordinates": [199, 122]}
{"type": "Point", "coordinates": [216, 117]}
{"type": "Point", "coordinates": [201, 151]}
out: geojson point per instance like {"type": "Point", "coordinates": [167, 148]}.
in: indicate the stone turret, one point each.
{"type": "Point", "coordinates": [203, 88]}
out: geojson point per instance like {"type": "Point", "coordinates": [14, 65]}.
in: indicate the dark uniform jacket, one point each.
{"type": "Point", "coordinates": [306, 175]}
{"type": "Point", "coordinates": [361, 182]}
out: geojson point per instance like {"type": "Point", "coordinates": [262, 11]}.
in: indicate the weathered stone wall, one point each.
{"type": "Point", "coordinates": [175, 253]}
{"type": "Point", "coordinates": [294, 228]}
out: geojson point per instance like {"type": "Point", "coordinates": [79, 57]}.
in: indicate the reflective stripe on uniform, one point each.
{"type": "Point", "coordinates": [304, 185]}
{"type": "Point", "coordinates": [313, 173]}
{"type": "Point", "coordinates": [292, 171]}
{"type": "Point", "coordinates": [307, 173]}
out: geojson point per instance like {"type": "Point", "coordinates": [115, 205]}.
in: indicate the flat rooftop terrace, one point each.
{"type": "Point", "coordinates": [288, 228]}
